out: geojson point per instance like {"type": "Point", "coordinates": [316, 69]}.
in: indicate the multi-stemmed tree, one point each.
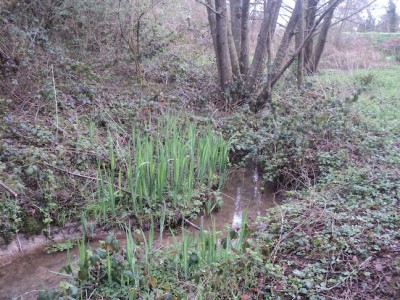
{"type": "Point", "coordinates": [309, 22]}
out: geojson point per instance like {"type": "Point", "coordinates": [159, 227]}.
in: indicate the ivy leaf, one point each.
{"type": "Point", "coordinates": [299, 273]}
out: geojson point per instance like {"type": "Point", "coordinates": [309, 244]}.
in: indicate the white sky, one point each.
{"type": "Point", "coordinates": [379, 7]}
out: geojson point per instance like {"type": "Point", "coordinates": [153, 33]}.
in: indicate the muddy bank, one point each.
{"type": "Point", "coordinates": [26, 243]}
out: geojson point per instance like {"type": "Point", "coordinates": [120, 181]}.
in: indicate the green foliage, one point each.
{"type": "Point", "coordinates": [379, 38]}
{"type": "Point", "coordinates": [296, 130]}
{"type": "Point", "coordinates": [32, 225]}
{"type": "Point", "coordinates": [244, 129]}
{"type": "Point", "coordinates": [11, 218]}
{"type": "Point", "coordinates": [140, 270]}
{"type": "Point", "coordinates": [379, 106]}
{"type": "Point", "coordinates": [351, 215]}
{"type": "Point", "coordinates": [60, 247]}
{"type": "Point", "coordinates": [299, 136]}
{"type": "Point", "coordinates": [169, 167]}
{"type": "Point", "coordinates": [336, 237]}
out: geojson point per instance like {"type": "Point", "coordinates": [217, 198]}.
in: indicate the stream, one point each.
{"type": "Point", "coordinates": [24, 273]}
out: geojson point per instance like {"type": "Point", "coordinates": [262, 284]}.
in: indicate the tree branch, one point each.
{"type": "Point", "coordinates": [306, 39]}
{"type": "Point", "coordinates": [356, 12]}
{"type": "Point", "coordinates": [208, 6]}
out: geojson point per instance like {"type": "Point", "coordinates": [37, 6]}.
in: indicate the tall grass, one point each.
{"type": "Point", "coordinates": [139, 268]}
{"type": "Point", "coordinates": [169, 164]}
{"type": "Point", "coordinates": [209, 247]}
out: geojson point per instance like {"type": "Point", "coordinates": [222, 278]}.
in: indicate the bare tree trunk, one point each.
{"type": "Point", "coordinates": [226, 49]}
{"type": "Point", "coordinates": [338, 38]}
{"type": "Point", "coordinates": [236, 20]}
{"type": "Point", "coordinates": [311, 13]}
{"type": "Point", "coordinates": [222, 44]}
{"type": "Point", "coordinates": [319, 47]}
{"type": "Point", "coordinates": [233, 55]}
{"type": "Point", "coordinates": [273, 6]}
{"type": "Point", "coordinates": [287, 36]}
{"type": "Point", "coordinates": [299, 41]}
{"type": "Point", "coordinates": [274, 71]}
{"type": "Point", "coordinates": [217, 17]}
{"type": "Point", "coordinates": [212, 21]}
{"type": "Point", "coordinates": [275, 16]}
{"type": "Point", "coordinates": [244, 44]}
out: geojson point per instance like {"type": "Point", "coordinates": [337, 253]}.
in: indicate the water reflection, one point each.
{"type": "Point", "coordinates": [243, 190]}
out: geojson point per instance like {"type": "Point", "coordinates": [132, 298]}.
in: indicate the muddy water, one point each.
{"type": "Point", "coordinates": [22, 275]}
{"type": "Point", "coordinates": [243, 190]}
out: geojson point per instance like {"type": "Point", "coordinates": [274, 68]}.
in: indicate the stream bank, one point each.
{"type": "Point", "coordinates": [22, 275]}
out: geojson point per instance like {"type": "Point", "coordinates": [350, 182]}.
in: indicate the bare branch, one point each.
{"type": "Point", "coordinates": [354, 13]}
{"type": "Point", "coordinates": [306, 39]}
{"type": "Point", "coordinates": [208, 6]}
{"type": "Point", "coordinates": [10, 190]}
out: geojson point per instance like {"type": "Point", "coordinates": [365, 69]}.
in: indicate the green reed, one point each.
{"type": "Point", "coordinates": [109, 269]}
{"type": "Point", "coordinates": [130, 250]}
{"type": "Point", "coordinates": [167, 164]}
{"type": "Point", "coordinates": [195, 251]}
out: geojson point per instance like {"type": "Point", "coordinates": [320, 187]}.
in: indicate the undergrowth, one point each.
{"type": "Point", "coordinates": [337, 237]}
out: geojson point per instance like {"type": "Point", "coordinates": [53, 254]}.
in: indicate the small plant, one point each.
{"type": "Point", "coordinates": [61, 247]}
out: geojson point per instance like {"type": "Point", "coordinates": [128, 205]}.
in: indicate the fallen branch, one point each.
{"type": "Point", "coordinates": [10, 190]}
{"type": "Point", "coordinates": [353, 273]}
{"type": "Point", "coordinates": [191, 224]}
{"type": "Point", "coordinates": [82, 176]}
{"type": "Point", "coordinates": [69, 172]}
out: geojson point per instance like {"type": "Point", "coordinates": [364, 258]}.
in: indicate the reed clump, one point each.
{"type": "Point", "coordinates": [163, 166]}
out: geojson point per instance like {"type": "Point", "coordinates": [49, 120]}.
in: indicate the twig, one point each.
{"type": "Point", "coordinates": [351, 274]}
{"type": "Point", "coordinates": [61, 274]}
{"type": "Point", "coordinates": [282, 237]}
{"type": "Point", "coordinates": [69, 172]}
{"type": "Point", "coordinates": [227, 196]}
{"type": "Point", "coordinates": [22, 295]}
{"type": "Point", "coordinates": [8, 189]}
{"type": "Point", "coordinates": [55, 98]}
{"type": "Point", "coordinates": [91, 294]}
{"type": "Point", "coordinates": [191, 224]}
{"type": "Point", "coordinates": [354, 13]}
{"type": "Point", "coordinates": [123, 130]}
{"type": "Point", "coordinates": [5, 264]}
{"type": "Point", "coordinates": [82, 176]}
{"type": "Point", "coordinates": [19, 243]}
{"type": "Point", "coordinates": [208, 6]}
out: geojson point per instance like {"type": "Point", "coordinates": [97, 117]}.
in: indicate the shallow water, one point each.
{"type": "Point", "coordinates": [243, 190]}
{"type": "Point", "coordinates": [22, 275]}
